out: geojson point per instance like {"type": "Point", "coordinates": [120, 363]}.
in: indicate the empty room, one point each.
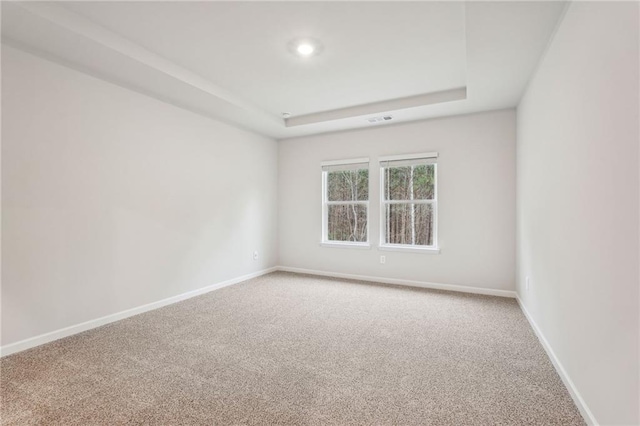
{"type": "Point", "coordinates": [320, 213]}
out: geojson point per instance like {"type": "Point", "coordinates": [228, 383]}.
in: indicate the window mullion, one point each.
{"type": "Point", "coordinates": [408, 201]}
{"type": "Point", "coordinates": [346, 203]}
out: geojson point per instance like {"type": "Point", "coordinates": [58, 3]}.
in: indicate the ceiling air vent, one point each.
{"type": "Point", "coordinates": [379, 119]}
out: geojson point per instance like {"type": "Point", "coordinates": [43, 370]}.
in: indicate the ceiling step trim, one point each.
{"type": "Point", "coordinates": [424, 99]}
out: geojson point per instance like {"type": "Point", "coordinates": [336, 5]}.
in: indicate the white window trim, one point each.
{"type": "Point", "coordinates": [346, 244]}
{"type": "Point", "coordinates": [408, 156]}
{"type": "Point", "coordinates": [417, 249]}
{"type": "Point", "coordinates": [383, 245]}
{"type": "Point", "coordinates": [344, 162]}
{"type": "Point", "coordinates": [324, 242]}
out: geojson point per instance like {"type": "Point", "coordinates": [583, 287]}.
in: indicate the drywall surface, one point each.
{"type": "Point", "coordinates": [578, 204]}
{"type": "Point", "coordinates": [476, 193]}
{"type": "Point", "coordinates": [112, 200]}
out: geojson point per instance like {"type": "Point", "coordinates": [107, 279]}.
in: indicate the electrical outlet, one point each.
{"type": "Point", "coordinates": [383, 259]}
{"type": "Point", "coordinates": [255, 255]}
{"type": "Point", "coordinates": [527, 282]}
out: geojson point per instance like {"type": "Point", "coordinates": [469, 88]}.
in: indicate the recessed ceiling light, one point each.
{"type": "Point", "coordinates": [305, 47]}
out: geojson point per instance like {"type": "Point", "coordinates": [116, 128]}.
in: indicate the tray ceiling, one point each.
{"type": "Point", "coordinates": [231, 61]}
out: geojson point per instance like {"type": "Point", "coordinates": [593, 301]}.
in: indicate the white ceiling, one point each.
{"type": "Point", "coordinates": [229, 60]}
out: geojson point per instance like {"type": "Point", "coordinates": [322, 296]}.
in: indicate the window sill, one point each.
{"type": "Point", "coordinates": [336, 244]}
{"type": "Point", "coordinates": [398, 247]}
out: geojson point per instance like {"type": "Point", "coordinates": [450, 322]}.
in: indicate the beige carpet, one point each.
{"type": "Point", "coordinates": [297, 350]}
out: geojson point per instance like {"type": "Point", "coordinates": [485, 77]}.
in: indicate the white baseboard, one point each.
{"type": "Point", "coordinates": [573, 391]}
{"type": "Point", "coordinates": [410, 283]}
{"type": "Point", "coordinates": [88, 325]}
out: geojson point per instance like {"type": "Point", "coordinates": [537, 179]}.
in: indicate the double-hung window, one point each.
{"type": "Point", "coordinates": [409, 204]}
{"type": "Point", "coordinates": [345, 202]}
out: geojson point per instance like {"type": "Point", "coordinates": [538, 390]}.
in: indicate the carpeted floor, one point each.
{"type": "Point", "coordinates": [297, 350]}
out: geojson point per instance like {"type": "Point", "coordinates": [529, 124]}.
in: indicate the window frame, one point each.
{"type": "Point", "coordinates": [383, 244]}
{"type": "Point", "coordinates": [324, 241]}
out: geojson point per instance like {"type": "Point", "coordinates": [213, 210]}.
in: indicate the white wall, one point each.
{"type": "Point", "coordinates": [476, 175]}
{"type": "Point", "coordinates": [111, 200]}
{"type": "Point", "coordinates": [578, 204]}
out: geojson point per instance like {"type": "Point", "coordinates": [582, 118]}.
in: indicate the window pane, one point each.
{"type": "Point", "coordinates": [409, 224]}
{"type": "Point", "coordinates": [347, 223]}
{"type": "Point", "coordinates": [424, 182]}
{"type": "Point", "coordinates": [398, 182]}
{"type": "Point", "coordinates": [424, 224]}
{"type": "Point", "coordinates": [348, 185]}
